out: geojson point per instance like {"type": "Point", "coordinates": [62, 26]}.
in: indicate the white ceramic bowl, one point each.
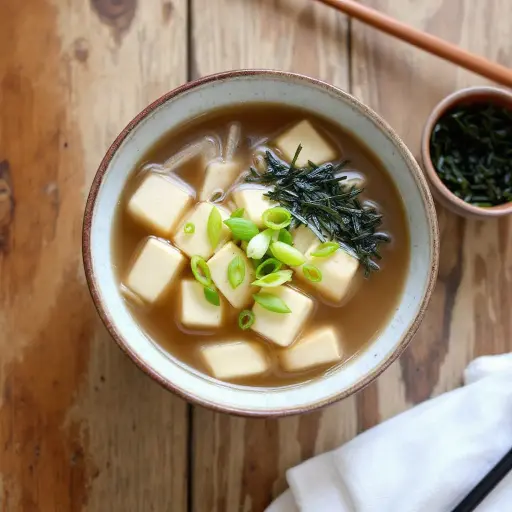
{"type": "Point", "coordinates": [194, 99]}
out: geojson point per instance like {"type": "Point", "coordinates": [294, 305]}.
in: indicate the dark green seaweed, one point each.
{"type": "Point", "coordinates": [316, 197]}
{"type": "Point", "coordinates": [471, 149]}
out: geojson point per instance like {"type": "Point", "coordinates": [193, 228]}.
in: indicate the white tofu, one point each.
{"type": "Point", "coordinates": [253, 202]}
{"type": "Point", "coordinates": [303, 238]}
{"type": "Point", "coordinates": [235, 360]}
{"type": "Point", "coordinates": [319, 348]}
{"type": "Point", "coordinates": [155, 268]}
{"type": "Point", "coordinates": [314, 146]}
{"type": "Point", "coordinates": [241, 295]}
{"type": "Point", "coordinates": [283, 328]}
{"type": "Point", "coordinates": [218, 175]}
{"type": "Point", "coordinates": [158, 204]}
{"type": "Point", "coordinates": [196, 311]}
{"type": "Point", "coordinates": [130, 296]}
{"type": "Point", "coordinates": [339, 273]}
{"type": "Point", "coordinates": [198, 243]}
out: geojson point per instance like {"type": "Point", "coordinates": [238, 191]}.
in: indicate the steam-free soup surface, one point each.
{"type": "Point", "coordinates": [356, 321]}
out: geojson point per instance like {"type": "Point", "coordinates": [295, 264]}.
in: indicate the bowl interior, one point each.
{"type": "Point", "coordinates": [227, 90]}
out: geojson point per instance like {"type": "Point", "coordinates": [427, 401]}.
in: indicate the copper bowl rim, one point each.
{"type": "Point", "coordinates": [480, 93]}
{"type": "Point", "coordinates": [166, 382]}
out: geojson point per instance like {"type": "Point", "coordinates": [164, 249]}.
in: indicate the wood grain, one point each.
{"type": "Point", "coordinates": [469, 312]}
{"type": "Point", "coordinates": [239, 464]}
{"type": "Point", "coordinates": [80, 427]}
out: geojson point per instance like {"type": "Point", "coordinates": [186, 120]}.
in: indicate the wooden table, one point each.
{"type": "Point", "coordinates": [80, 427]}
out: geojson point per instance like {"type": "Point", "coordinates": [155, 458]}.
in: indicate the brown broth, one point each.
{"type": "Point", "coordinates": [358, 322]}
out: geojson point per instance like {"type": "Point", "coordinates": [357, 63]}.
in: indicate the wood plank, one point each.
{"type": "Point", "coordinates": [239, 464]}
{"type": "Point", "coordinates": [469, 313]}
{"type": "Point", "coordinates": [80, 427]}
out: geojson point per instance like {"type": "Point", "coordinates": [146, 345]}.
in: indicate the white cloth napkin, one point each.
{"type": "Point", "coordinates": [424, 460]}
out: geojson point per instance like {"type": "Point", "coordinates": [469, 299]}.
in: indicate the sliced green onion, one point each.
{"type": "Point", "coordinates": [326, 249]}
{"type": "Point", "coordinates": [285, 236]}
{"type": "Point", "coordinates": [312, 273]}
{"type": "Point", "coordinates": [274, 279]}
{"type": "Point", "coordinates": [189, 228]}
{"type": "Point", "coordinates": [276, 218]}
{"type": "Point", "coordinates": [246, 319]}
{"type": "Point", "coordinates": [259, 245]}
{"type": "Point", "coordinates": [214, 227]}
{"type": "Point", "coordinates": [211, 295]}
{"type": "Point", "coordinates": [200, 270]}
{"type": "Point", "coordinates": [287, 254]}
{"type": "Point", "coordinates": [238, 213]}
{"type": "Point", "coordinates": [255, 263]}
{"type": "Point", "coordinates": [271, 302]}
{"type": "Point", "coordinates": [267, 267]}
{"type": "Point", "coordinates": [243, 245]}
{"type": "Point", "coordinates": [243, 229]}
{"type": "Point", "coordinates": [236, 271]}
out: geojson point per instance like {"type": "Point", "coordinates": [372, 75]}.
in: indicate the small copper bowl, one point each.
{"type": "Point", "coordinates": [439, 190]}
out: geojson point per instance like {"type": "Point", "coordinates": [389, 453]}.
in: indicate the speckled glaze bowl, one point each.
{"type": "Point", "coordinates": [227, 89]}
{"type": "Point", "coordinates": [440, 191]}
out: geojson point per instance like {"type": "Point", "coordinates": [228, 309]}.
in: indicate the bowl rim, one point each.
{"type": "Point", "coordinates": [460, 96]}
{"type": "Point", "coordinates": [166, 382]}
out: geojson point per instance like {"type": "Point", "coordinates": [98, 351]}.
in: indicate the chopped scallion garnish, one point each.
{"type": "Point", "coordinates": [200, 270]}
{"type": "Point", "coordinates": [267, 267]}
{"type": "Point", "coordinates": [189, 228]}
{"type": "Point", "coordinates": [242, 229]}
{"type": "Point", "coordinates": [271, 302]}
{"type": "Point", "coordinates": [325, 250]}
{"type": "Point", "coordinates": [214, 227]}
{"type": "Point", "coordinates": [287, 254]}
{"type": "Point", "coordinates": [276, 218]}
{"type": "Point", "coordinates": [259, 245]}
{"type": "Point", "coordinates": [211, 295]}
{"type": "Point", "coordinates": [285, 236]}
{"type": "Point", "coordinates": [312, 273]}
{"type": "Point", "coordinates": [237, 214]}
{"type": "Point", "coordinates": [274, 279]}
{"type": "Point", "coordinates": [245, 319]}
{"type": "Point", "coordinates": [236, 271]}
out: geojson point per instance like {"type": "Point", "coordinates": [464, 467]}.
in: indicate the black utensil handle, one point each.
{"type": "Point", "coordinates": [486, 485]}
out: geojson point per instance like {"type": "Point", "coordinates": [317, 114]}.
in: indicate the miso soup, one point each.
{"type": "Point", "coordinates": [261, 245]}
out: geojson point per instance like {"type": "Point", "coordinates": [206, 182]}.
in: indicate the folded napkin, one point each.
{"type": "Point", "coordinates": [424, 460]}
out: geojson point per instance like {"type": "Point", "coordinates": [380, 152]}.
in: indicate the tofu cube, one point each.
{"type": "Point", "coordinates": [253, 201]}
{"type": "Point", "coordinates": [235, 360]}
{"type": "Point", "coordinates": [319, 348]}
{"type": "Point", "coordinates": [240, 296]}
{"type": "Point", "coordinates": [283, 328]}
{"type": "Point", "coordinates": [155, 268]}
{"type": "Point", "coordinates": [158, 204]}
{"type": "Point", "coordinates": [196, 311]}
{"type": "Point", "coordinates": [314, 146]}
{"type": "Point", "coordinates": [339, 273]}
{"type": "Point", "coordinates": [218, 175]}
{"type": "Point", "coordinates": [303, 238]}
{"type": "Point", "coordinates": [198, 243]}
{"type": "Point", "coordinates": [130, 296]}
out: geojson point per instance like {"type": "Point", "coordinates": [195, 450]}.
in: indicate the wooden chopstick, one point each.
{"type": "Point", "coordinates": [486, 485]}
{"type": "Point", "coordinates": [427, 42]}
